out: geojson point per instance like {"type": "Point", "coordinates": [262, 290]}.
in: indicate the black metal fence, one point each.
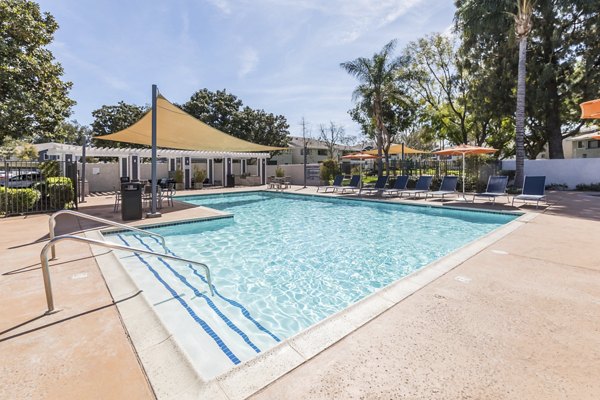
{"type": "Point", "coordinates": [37, 187]}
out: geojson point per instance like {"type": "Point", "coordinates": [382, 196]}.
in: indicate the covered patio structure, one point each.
{"type": "Point", "coordinates": [217, 164]}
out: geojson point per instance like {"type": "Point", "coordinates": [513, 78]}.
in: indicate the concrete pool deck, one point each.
{"type": "Point", "coordinates": [517, 320]}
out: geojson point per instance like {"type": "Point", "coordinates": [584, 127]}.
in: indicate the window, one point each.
{"type": "Point", "coordinates": [580, 145]}
{"type": "Point", "coordinates": [592, 144]}
{"type": "Point", "coordinates": [322, 152]}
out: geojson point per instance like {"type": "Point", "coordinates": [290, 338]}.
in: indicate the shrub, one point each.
{"type": "Point", "coordinates": [592, 187]}
{"type": "Point", "coordinates": [14, 201]}
{"type": "Point", "coordinates": [178, 176]}
{"type": "Point", "coordinates": [59, 192]}
{"type": "Point", "coordinates": [557, 186]}
{"type": "Point", "coordinates": [49, 169]}
{"type": "Point", "coordinates": [279, 172]}
{"type": "Point", "coordinates": [329, 169]}
{"type": "Point", "coordinates": [199, 175]}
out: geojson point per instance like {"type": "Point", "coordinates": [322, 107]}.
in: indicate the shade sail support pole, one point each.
{"type": "Point", "coordinates": [154, 181]}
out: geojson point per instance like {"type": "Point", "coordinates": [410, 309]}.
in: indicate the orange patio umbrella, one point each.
{"type": "Point", "coordinates": [591, 110]}
{"type": "Point", "coordinates": [464, 149]}
{"type": "Point", "coordinates": [399, 148]}
{"type": "Point", "coordinates": [360, 157]}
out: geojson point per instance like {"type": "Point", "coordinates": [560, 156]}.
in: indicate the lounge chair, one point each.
{"type": "Point", "coordinates": [422, 186]}
{"type": "Point", "coordinates": [399, 185]}
{"type": "Point", "coordinates": [379, 186]}
{"type": "Point", "coordinates": [447, 187]}
{"type": "Point", "coordinates": [337, 183]}
{"type": "Point", "coordinates": [353, 185]}
{"type": "Point", "coordinates": [534, 189]}
{"type": "Point", "coordinates": [496, 187]}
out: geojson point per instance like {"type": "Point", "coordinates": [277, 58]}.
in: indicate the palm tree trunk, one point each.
{"type": "Point", "coordinates": [520, 114]}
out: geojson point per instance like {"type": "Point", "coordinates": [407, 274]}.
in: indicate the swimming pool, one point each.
{"type": "Point", "coordinates": [284, 262]}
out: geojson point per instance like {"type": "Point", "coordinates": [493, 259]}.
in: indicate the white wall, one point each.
{"type": "Point", "coordinates": [104, 177]}
{"type": "Point", "coordinates": [571, 171]}
{"type": "Point", "coordinates": [295, 172]}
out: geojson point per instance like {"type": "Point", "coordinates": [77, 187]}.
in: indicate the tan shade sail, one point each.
{"type": "Point", "coordinates": [397, 149]}
{"type": "Point", "coordinates": [176, 129]}
{"type": "Point", "coordinates": [360, 156]}
{"type": "Point", "coordinates": [463, 149]}
{"type": "Point", "coordinates": [590, 109]}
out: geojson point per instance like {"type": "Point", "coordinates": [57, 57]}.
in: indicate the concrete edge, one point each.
{"type": "Point", "coordinates": [165, 364]}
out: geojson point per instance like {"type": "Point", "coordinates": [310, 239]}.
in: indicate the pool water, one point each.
{"type": "Point", "coordinates": [285, 262]}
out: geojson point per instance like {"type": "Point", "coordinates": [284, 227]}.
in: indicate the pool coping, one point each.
{"type": "Point", "coordinates": [170, 371]}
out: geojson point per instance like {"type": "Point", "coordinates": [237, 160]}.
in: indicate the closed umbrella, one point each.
{"type": "Point", "coordinates": [360, 157]}
{"type": "Point", "coordinates": [464, 149]}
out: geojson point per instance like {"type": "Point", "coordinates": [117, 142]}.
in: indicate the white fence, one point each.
{"type": "Point", "coordinates": [296, 173]}
{"type": "Point", "coordinates": [571, 171]}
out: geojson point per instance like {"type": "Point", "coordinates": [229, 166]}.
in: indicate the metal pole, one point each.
{"type": "Point", "coordinates": [403, 159]}
{"type": "Point", "coordinates": [153, 213]}
{"type": "Point", "coordinates": [82, 180]}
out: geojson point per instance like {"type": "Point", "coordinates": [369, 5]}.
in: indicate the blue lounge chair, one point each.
{"type": "Point", "coordinates": [496, 187]}
{"type": "Point", "coordinates": [447, 187]}
{"type": "Point", "coordinates": [337, 183]}
{"type": "Point", "coordinates": [379, 186]}
{"type": "Point", "coordinates": [534, 189]}
{"type": "Point", "coordinates": [422, 186]}
{"type": "Point", "coordinates": [353, 185]}
{"type": "Point", "coordinates": [399, 185]}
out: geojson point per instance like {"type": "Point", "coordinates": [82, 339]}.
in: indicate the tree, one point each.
{"type": "Point", "coordinates": [111, 119]}
{"type": "Point", "coordinates": [225, 112]}
{"type": "Point", "coordinates": [74, 133]}
{"type": "Point", "coordinates": [563, 62]}
{"type": "Point", "coordinates": [376, 76]}
{"type": "Point", "coordinates": [33, 98]}
{"type": "Point", "coordinates": [331, 135]}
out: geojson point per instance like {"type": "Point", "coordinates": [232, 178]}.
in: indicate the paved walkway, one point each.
{"type": "Point", "coordinates": [520, 322]}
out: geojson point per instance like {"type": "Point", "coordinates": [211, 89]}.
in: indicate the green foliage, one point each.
{"type": "Point", "coordinates": [111, 119]}
{"type": "Point", "coordinates": [592, 187]}
{"type": "Point", "coordinates": [279, 172]}
{"type": "Point", "coordinates": [560, 186]}
{"type": "Point", "coordinates": [49, 169]}
{"type": "Point", "coordinates": [13, 200]}
{"type": "Point", "coordinates": [329, 169]}
{"type": "Point", "coordinates": [225, 112]}
{"type": "Point", "coordinates": [33, 98]}
{"type": "Point", "coordinates": [27, 152]}
{"type": "Point", "coordinates": [58, 192]}
{"type": "Point", "coordinates": [178, 176]}
{"type": "Point", "coordinates": [199, 174]}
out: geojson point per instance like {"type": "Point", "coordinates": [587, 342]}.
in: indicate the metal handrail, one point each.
{"type": "Point", "coordinates": [46, 270]}
{"type": "Point", "coordinates": [52, 225]}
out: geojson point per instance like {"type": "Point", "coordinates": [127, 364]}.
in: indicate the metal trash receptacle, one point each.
{"type": "Point", "coordinates": [131, 200]}
{"type": "Point", "coordinates": [230, 181]}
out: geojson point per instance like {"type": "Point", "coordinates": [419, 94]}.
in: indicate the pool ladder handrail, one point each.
{"type": "Point", "coordinates": [50, 244]}
{"type": "Point", "coordinates": [52, 225]}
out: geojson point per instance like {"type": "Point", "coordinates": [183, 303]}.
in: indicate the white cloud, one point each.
{"type": "Point", "coordinates": [223, 5]}
{"type": "Point", "coordinates": [248, 60]}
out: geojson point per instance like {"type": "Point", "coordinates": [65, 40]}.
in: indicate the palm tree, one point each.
{"type": "Point", "coordinates": [522, 30]}
{"type": "Point", "coordinates": [376, 76]}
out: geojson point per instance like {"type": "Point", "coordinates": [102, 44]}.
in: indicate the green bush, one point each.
{"type": "Point", "coordinates": [592, 187]}
{"type": "Point", "coordinates": [14, 201]}
{"type": "Point", "coordinates": [329, 169]}
{"type": "Point", "coordinates": [49, 169]}
{"type": "Point", "coordinates": [279, 172]}
{"type": "Point", "coordinates": [60, 192]}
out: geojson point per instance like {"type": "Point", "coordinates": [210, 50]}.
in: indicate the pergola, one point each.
{"type": "Point", "coordinates": [129, 159]}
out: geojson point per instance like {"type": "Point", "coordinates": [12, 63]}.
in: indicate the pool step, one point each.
{"type": "Point", "coordinates": [224, 331]}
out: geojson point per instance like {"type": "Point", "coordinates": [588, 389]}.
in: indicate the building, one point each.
{"type": "Point", "coordinates": [582, 146]}
{"type": "Point", "coordinates": [316, 151]}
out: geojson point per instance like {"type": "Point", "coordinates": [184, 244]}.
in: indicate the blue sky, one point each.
{"type": "Point", "coordinates": [279, 55]}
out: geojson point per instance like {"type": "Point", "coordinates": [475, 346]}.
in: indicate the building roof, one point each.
{"type": "Point", "coordinates": [313, 143]}
{"type": "Point", "coordinates": [60, 148]}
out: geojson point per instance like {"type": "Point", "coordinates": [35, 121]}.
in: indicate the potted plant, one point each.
{"type": "Point", "coordinates": [279, 172]}
{"type": "Point", "coordinates": [199, 177]}
{"type": "Point", "coordinates": [178, 179]}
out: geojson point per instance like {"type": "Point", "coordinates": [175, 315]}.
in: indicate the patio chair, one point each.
{"type": "Point", "coordinates": [353, 185]}
{"type": "Point", "coordinates": [534, 189]}
{"type": "Point", "coordinates": [379, 186]}
{"type": "Point", "coordinates": [337, 183]}
{"type": "Point", "coordinates": [399, 185]}
{"type": "Point", "coordinates": [447, 187]}
{"type": "Point", "coordinates": [422, 186]}
{"type": "Point", "coordinates": [496, 187]}
{"type": "Point", "coordinates": [117, 199]}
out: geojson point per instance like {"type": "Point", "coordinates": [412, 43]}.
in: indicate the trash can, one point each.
{"type": "Point", "coordinates": [230, 181]}
{"type": "Point", "coordinates": [131, 200]}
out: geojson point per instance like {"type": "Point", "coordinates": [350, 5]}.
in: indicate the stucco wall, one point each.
{"type": "Point", "coordinates": [104, 177]}
{"type": "Point", "coordinates": [571, 171]}
{"type": "Point", "coordinates": [295, 172]}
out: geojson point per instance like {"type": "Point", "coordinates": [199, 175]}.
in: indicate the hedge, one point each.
{"type": "Point", "coordinates": [15, 201]}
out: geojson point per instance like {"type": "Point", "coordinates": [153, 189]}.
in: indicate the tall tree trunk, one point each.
{"type": "Point", "coordinates": [520, 114]}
